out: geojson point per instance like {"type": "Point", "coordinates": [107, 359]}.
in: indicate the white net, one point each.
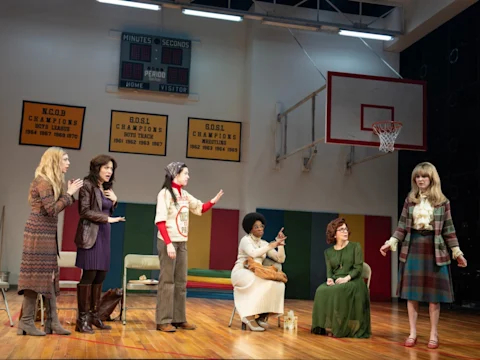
{"type": "Point", "coordinates": [387, 131]}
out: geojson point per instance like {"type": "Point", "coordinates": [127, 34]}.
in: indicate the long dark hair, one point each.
{"type": "Point", "coordinates": [168, 184]}
{"type": "Point", "coordinates": [94, 174]}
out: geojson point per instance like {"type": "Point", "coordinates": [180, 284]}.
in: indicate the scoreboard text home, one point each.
{"type": "Point", "coordinates": [155, 63]}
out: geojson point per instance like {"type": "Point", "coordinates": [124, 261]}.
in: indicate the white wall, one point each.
{"type": "Point", "coordinates": [61, 52]}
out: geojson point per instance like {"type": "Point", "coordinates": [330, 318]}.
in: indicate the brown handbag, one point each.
{"type": "Point", "coordinates": [265, 272]}
{"type": "Point", "coordinates": [109, 301]}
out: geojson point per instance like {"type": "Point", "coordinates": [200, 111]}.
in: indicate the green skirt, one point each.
{"type": "Point", "coordinates": [343, 309]}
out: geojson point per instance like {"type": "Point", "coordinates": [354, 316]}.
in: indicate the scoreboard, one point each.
{"type": "Point", "coordinates": [155, 63]}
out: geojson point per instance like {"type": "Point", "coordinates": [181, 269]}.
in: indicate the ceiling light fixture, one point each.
{"type": "Point", "coordinates": [212, 15]}
{"type": "Point", "coordinates": [365, 35]}
{"type": "Point", "coordinates": [133, 4]}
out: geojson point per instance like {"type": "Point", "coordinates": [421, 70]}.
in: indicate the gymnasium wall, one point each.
{"type": "Point", "coordinates": [213, 244]}
{"type": "Point", "coordinates": [61, 51]}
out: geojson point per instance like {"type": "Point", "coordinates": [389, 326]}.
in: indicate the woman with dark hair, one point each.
{"type": "Point", "coordinates": [174, 204]}
{"type": "Point", "coordinates": [252, 294]}
{"type": "Point", "coordinates": [97, 202]}
{"type": "Point", "coordinates": [342, 304]}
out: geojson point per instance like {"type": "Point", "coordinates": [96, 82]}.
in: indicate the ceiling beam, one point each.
{"type": "Point", "coordinates": [422, 17]}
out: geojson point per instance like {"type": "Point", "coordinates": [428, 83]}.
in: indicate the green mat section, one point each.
{"type": "Point", "coordinates": [298, 226]}
{"type": "Point", "coordinates": [138, 234]}
{"type": "Point", "coordinates": [210, 273]}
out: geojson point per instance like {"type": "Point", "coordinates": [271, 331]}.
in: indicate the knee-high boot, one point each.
{"type": "Point", "coordinates": [96, 295]}
{"type": "Point", "coordinates": [83, 313]}
{"type": "Point", "coordinates": [52, 323]}
{"type": "Point", "coordinates": [26, 325]}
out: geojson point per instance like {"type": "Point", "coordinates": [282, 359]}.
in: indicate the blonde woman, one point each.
{"type": "Point", "coordinates": [39, 267]}
{"type": "Point", "coordinates": [425, 231]}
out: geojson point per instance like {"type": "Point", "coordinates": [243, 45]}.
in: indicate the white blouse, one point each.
{"type": "Point", "coordinates": [423, 215]}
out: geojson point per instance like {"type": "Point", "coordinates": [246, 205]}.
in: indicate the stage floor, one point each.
{"type": "Point", "coordinates": [459, 335]}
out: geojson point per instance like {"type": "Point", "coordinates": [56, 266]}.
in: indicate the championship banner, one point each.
{"type": "Point", "coordinates": [138, 133]}
{"type": "Point", "coordinates": [45, 124]}
{"type": "Point", "coordinates": [214, 139]}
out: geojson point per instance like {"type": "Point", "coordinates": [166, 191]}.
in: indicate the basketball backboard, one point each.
{"type": "Point", "coordinates": [355, 102]}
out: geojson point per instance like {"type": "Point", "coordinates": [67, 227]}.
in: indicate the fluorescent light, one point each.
{"type": "Point", "coordinates": [290, 26]}
{"type": "Point", "coordinates": [212, 15]}
{"type": "Point", "coordinates": [365, 35]}
{"type": "Point", "coordinates": [134, 4]}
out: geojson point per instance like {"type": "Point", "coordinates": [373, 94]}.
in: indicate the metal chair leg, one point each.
{"type": "Point", "coordinates": [6, 307]}
{"type": "Point", "coordinates": [231, 317]}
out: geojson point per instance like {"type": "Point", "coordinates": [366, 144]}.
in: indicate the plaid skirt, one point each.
{"type": "Point", "coordinates": [420, 278]}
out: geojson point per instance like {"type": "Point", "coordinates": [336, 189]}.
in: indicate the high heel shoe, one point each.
{"type": "Point", "coordinates": [246, 322]}
{"type": "Point", "coordinates": [263, 321]}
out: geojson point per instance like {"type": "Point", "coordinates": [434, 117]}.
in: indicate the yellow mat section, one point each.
{"type": "Point", "coordinates": [209, 280]}
{"type": "Point", "coordinates": [199, 240]}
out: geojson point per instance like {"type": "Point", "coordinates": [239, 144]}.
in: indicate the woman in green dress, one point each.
{"type": "Point", "coordinates": [342, 305]}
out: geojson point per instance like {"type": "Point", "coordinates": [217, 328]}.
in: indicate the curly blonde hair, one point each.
{"type": "Point", "coordinates": [434, 192]}
{"type": "Point", "coordinates": [50, 169]}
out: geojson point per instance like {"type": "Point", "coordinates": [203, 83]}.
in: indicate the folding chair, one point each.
{"type": "Point", "coordinates": [367, 273]}
{"type": "Point", "coordinates": [66, 260]}
{"type": "Point", "coordinates": [138, 262]}
{"type": "Point", "coordinates": [266, 262]}
{"type": "Point", "coordinates": [4, 286]}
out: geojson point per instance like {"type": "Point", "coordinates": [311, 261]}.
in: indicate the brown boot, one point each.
{"type": "Point", "coordinates": [95, 320]}
{"type": "Point", "coordinates": [26, 325]}
{"type": "Point", "coordinates": [185, 326]}
{"type": "Point", "coordinates": [83, 312]}
{"type": "Point", "coordinates": [52, 324]}
{"type": "Point", "coordinates": [166, 327]}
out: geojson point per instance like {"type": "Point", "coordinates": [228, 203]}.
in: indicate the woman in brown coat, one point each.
{"type": "Point", "coordinates": [39, 266]}
{"type": "Point", "coordinates": [97, 202]}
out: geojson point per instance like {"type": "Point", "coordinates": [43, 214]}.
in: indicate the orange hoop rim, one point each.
{"type": "Point", "coordinates": [392, 126]}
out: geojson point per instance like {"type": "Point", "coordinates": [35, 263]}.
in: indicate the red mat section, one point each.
{"type": "Point", "coordinates": [378, 230]}
{"type": "Point", "coordinates": [68, 241]}
{"type": "Point", "coordinates": [224, 239]}
{"type": "Point", "coordinates": [204, 285]}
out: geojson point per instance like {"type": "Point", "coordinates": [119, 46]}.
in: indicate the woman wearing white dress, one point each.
{"type": "Point", "coordinates": [252, 294]}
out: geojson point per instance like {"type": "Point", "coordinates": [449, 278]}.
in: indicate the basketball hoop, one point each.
{"type": "Point", "coordinates": [387, 131]}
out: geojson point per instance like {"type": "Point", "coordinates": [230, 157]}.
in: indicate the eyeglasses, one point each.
{"type": "Point", "coordinates": [256, 227]}
{"type": "Point", "coordinates": [343, 229]}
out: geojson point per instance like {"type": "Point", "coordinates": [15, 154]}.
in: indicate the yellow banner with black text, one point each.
{"type": "Point", "coordinates": [214, 139]}
{"type": "Point", "coordinates": [138, 133]}
{"type": "Point", "coordinates": [47, 124]}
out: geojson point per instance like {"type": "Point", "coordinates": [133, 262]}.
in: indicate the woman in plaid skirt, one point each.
{"type": "Point", "coordinates": [426, 231]}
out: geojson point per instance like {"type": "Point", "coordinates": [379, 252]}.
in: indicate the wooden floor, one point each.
{"type": "Point", "coordinates": [458, 332]}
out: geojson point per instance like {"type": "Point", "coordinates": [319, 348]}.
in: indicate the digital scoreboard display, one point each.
{"type": "Point", "coordinates": [155, 63]}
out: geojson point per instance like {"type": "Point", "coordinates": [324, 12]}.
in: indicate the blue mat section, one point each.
{"type": "Point", "coordinates": [210, 294]}
{"type": "Point", "coordinates": [115, 274]}
{"type": "Point", "coordinates": [318, 272]}
{"type": "Point", "coordinates": [275, 221]}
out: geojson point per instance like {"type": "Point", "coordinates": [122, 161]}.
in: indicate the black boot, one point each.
{"type": "Point", "coordinates": [84, 300]}
{"type": "Point", "coordinates": [96, 295]}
